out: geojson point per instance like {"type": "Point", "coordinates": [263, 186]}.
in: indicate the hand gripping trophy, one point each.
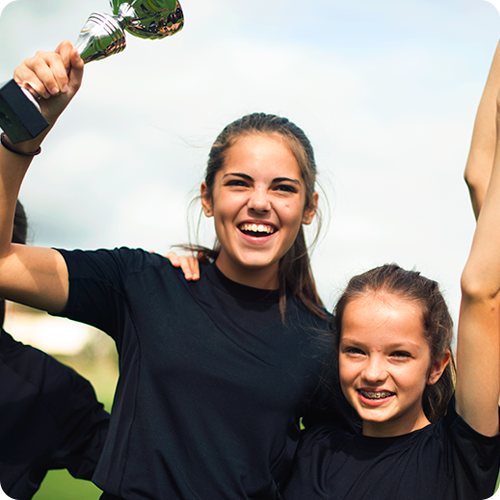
{"type": "Point", "coordinates": [102, 36]}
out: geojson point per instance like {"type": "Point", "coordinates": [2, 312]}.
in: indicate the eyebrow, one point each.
{"type": "Point", "coordinates": [396, 345]}
{"type": "Point", "coordinates": [249, 178]}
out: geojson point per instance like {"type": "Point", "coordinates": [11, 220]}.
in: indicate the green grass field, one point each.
{"type": "Point", "coordinates": [60, 485]}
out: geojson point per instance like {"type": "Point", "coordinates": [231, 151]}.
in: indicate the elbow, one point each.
{"type": "Point", "coordinates": [473, 182]}
{"type": "Point", "coordinates": [478, 287]}
{"type": "Point", "coordinates": [469, 175]}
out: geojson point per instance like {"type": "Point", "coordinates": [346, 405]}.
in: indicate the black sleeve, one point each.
{"type": "Point", "coordinates": [476, 458]}
{"type": "Point", "coordinates": [81, 421]}
{"type": "Point", "coordinates": [83, 425]}
{"type": "Point", "coordinates": [97, 284]}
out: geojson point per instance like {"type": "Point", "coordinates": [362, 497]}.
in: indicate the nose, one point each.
{"type": "Point", "coordinates": [374, 371]}
{"type": "Point", "coordinates": [259, 200]}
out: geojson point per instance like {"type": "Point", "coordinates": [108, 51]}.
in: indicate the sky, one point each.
{"type": "Point", "coordinates": [387, 92]}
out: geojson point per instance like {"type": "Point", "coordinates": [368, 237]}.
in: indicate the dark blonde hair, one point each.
{"type": "Point", "coordinates": [438, 325]}
{"type": "Point", "coordinates": [294, 267]}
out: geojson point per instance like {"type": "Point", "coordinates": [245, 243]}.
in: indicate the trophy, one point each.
{"type": "Point", "coordinates": [102, 36]}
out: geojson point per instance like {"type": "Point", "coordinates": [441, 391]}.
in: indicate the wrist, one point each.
{"type": "Point", "coordinates": [26, 148]}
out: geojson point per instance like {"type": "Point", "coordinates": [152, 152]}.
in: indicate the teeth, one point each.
{"type": "Point", "coordinates": [376, 395]}
{"type": "Point", "coordinates": [257, 228]}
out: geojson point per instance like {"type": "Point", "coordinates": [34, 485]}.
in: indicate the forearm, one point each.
{"type": "Point", "coordinates": [33, 276]}
{"type": "Point", "coordinates": [13, 167]}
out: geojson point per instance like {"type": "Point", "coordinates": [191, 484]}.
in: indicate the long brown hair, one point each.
{"type": "Point", "coordinates": [294, 267]}
{"type": "Point", "coordinates": [438, 325]}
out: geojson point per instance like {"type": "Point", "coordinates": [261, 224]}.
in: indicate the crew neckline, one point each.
{"type": "Point", "coordinates": [378, 444]}
{"type": "Point", "coordinates": [238, 290]}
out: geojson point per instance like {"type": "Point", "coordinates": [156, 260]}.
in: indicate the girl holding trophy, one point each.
{"type": "Point", "coordinates": [214, 374]}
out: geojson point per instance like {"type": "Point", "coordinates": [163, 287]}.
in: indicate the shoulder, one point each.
{"type": "Point", "coordinates": [299, 308]}
{"type": "Point", "coordinates": [30, 376]}
{"type": "Point", "coordinates": [462, 435]}
{"type": "Point", "coordinates": [322, 438]}
{"type": "Point", "coordinates": [38, 368]}
{"type": "Point", "coordinates": [313, 474]}
{"type": "Point", "coordinates": [21, 361]}
{"type": "Point", "coordinates": [316, 328]}
{"type": "Point", "coordinates": [103, 262]}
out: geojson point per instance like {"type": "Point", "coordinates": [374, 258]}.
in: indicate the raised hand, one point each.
{"type": "Point", "coordinates": [53, 78]}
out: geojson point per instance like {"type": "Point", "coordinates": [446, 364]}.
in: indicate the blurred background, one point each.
{"type": "Point", "coordinates": [387, 92]}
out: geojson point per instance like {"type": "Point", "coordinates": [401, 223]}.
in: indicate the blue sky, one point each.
{"type": "Point", "coordinates": [387, 92]}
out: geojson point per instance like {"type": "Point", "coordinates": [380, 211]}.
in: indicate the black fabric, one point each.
{"type": "Point", "coordinates": [446, 461]}
{"type": "Point", "coordinates": [212, 383]}
{"type": "Point", "coordinates": [49, 419]}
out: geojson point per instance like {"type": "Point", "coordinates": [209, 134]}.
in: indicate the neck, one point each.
{"type": "Point", "coordinates": [265, 278]}
{"type": "Point", "coordinates": [395, 427]}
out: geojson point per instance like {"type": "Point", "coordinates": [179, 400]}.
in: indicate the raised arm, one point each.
{"type": "Point", "coordinates": [482, 149]}
{"type": "Point", "coordinates": [30, 275]}
{"type": "Point", "coordinates": [478, 349]}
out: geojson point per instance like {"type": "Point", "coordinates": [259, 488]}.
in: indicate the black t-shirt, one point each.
{"type": "Point", "coordinates": [49, 419]}
{"type": "Point", "coordinates": [212, 382]}
{"type": "Point", "coordinates": [445, 461]}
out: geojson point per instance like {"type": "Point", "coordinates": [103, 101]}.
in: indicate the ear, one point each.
{"type": "Point", "coordinates": [206, 200]}
{"type": "Point", "coordinates": [438, 368]}
{"type": "Point", "coordinates": [310, 211]}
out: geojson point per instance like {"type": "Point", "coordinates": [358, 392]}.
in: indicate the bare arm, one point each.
{"type": "Point", "coordinates": [478, 349]}
{"type": "Point", "coordinates": [30, 275]}
{"type": "Point", "coordinates": [483, 144]}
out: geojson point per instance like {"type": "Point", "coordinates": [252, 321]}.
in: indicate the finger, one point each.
{"type": "Point", "coordinates": [65, 49]}
{"type": "Point", "coordinates": [45, 73]}
{"type": "Point", "coordinates": [76, 73]}
{"type": "Point", "coordinates": [27, 78]}
{"type": "Point", "coordinates": [174, 260]}
{"type": "Point", "coordinates": [65, 52]}
{"type": "Point", "coordinates": [186, 267]}
{"type": "Point", "coordinates": [195, 268]}
{"type": "Point", "coordinates": [72, 62]}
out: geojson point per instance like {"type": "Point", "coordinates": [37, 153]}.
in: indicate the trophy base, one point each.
{"type": "Point", "coordinates": [19, 118]}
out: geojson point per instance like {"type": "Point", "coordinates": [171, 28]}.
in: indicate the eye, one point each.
{"type": "Point", "coordinates": [401, 354]}
{"type": "Point", "coordinates": [237, 182]}
{"type": "Point", "coordinates": [353, 351]}
{"type": "Point", "coordinates": [286, 188]}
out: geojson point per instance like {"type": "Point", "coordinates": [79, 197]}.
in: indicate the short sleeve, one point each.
{"type": "Point", "coordinates": [475, 457]}
{"type": "Point", "coordinates": [97, 284]}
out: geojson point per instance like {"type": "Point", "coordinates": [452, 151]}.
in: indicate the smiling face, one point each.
{"type": "Point", "coordinates": [258, 203]}
{"type": "Point", "coordinates": [385, 363]}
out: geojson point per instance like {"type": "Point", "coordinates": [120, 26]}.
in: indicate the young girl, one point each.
{"type": "Point", "coordinates": [424, 434]}
{"type": "Point", "coordinates": [214, 373]}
